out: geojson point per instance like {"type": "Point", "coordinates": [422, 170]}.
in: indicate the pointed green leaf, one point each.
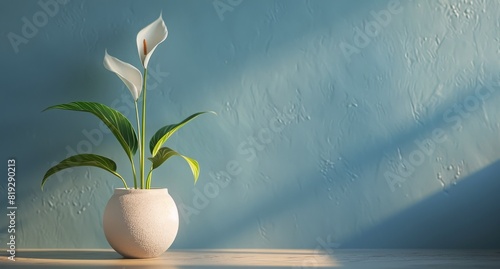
{"type": "Point", "coordinates": [84, 160]}
{"type": "Point", "coordinates": [119, 125]}
{"type": "Point", "coordinates": [162, 135]}
{"type": "Point", "coordinates": [165, 153]}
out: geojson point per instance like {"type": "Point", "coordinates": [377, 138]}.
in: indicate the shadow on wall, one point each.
{"type": "Point", "coordinates": [467, 216]}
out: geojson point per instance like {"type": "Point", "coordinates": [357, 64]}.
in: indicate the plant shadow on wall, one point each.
{"type": "Point", "coordinates": [462, 215]}
{"type": "Point", "coordinates": [419, 145]}
{"type": "Point", "coordinates": [285, 200]}
{"type": "Point", "coordinates": [467, 217]}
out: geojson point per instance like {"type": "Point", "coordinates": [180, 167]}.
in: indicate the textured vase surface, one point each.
{"type": "Point", "coordinates": [140, 223]}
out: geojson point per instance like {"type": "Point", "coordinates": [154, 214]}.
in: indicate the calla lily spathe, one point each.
{"type": "Point", "coordinates": [147, 41]}
{"type": "Point", "coordinates": [130, 75]}
{"type": "Point", "coordinates": [149, 38]}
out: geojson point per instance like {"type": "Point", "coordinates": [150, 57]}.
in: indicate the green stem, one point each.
{"type": "Point", "coordinates": [143, 130]}
{"type": "Point", "coordinates": [123, 180]}
{"type": "Point", "coordinates": [134, 172]}
{"type": "Point", "coordinates": [139, 137]}
{"type": "Point", "coordinates": [148, 180]}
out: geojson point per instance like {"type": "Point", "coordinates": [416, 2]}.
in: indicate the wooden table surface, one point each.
{"type": "Point", "coordinates": [258, 258]}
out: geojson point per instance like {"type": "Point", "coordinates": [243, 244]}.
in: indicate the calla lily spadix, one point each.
{"type": "Point", "coordinates": [149, 38]}
{"type": "Point", "coordinates": [130, 75]}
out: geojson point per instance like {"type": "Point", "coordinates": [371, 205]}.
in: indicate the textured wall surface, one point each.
{"type": "Point", "coordinates": [340, 123]}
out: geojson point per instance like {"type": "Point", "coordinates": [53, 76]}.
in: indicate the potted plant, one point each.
{"type": "Point", "coordinates": [139, 222]}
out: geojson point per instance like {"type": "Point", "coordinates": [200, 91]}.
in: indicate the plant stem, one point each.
{"type": "Point", "coordinates": [143, 130]}
{"type": "Point", "coordinates": [139, 137]}
{"type": "Point", "coordinates": [135, 175]}
{"type": "Point", "coordinates": [123, 180]}
{"type": "Point", "coordinates": [148, 179]}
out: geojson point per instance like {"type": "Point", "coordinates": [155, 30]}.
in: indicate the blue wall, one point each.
{"type": "Point", "coordinates": [340, 123]}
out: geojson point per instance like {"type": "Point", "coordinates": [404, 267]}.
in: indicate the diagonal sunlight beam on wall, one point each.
{"type": "Point", "coordinates": [370, 158]}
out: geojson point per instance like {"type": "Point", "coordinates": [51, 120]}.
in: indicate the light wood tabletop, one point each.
{"type": "Point", "coordinates": [257, 258]}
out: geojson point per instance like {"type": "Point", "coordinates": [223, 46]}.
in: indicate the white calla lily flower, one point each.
{"type": "Point", "coordinates": [130, 75]}
{"type": "Point", "coordinates": [149, 38]}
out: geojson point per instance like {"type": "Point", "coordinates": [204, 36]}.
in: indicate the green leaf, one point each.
{"type": "Point", "coordinates": [162, 135]}
{"type": "Point", "coordinates": [118, 124]}
{"type": "Point", "coordinates": [165, 153]}
{"type": "Point", "coordinates": [84, 160]}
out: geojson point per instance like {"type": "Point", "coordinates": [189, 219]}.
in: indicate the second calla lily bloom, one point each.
{"type": "Point", "coordinates": [130, 75]}
{"type": "Point", "coordinates": [147, 41]}
{"type": "Point", "coordinates": [149, 38]}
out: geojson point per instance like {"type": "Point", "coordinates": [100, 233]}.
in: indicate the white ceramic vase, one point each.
{"type": "Point", "coordinates": [140, 223]}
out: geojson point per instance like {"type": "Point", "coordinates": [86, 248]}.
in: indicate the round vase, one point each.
{"type": "Point", "coordinates": [140, 223]}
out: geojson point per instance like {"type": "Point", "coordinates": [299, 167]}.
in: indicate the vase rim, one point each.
{"type": "Point", "coordinates": [132, 190]}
